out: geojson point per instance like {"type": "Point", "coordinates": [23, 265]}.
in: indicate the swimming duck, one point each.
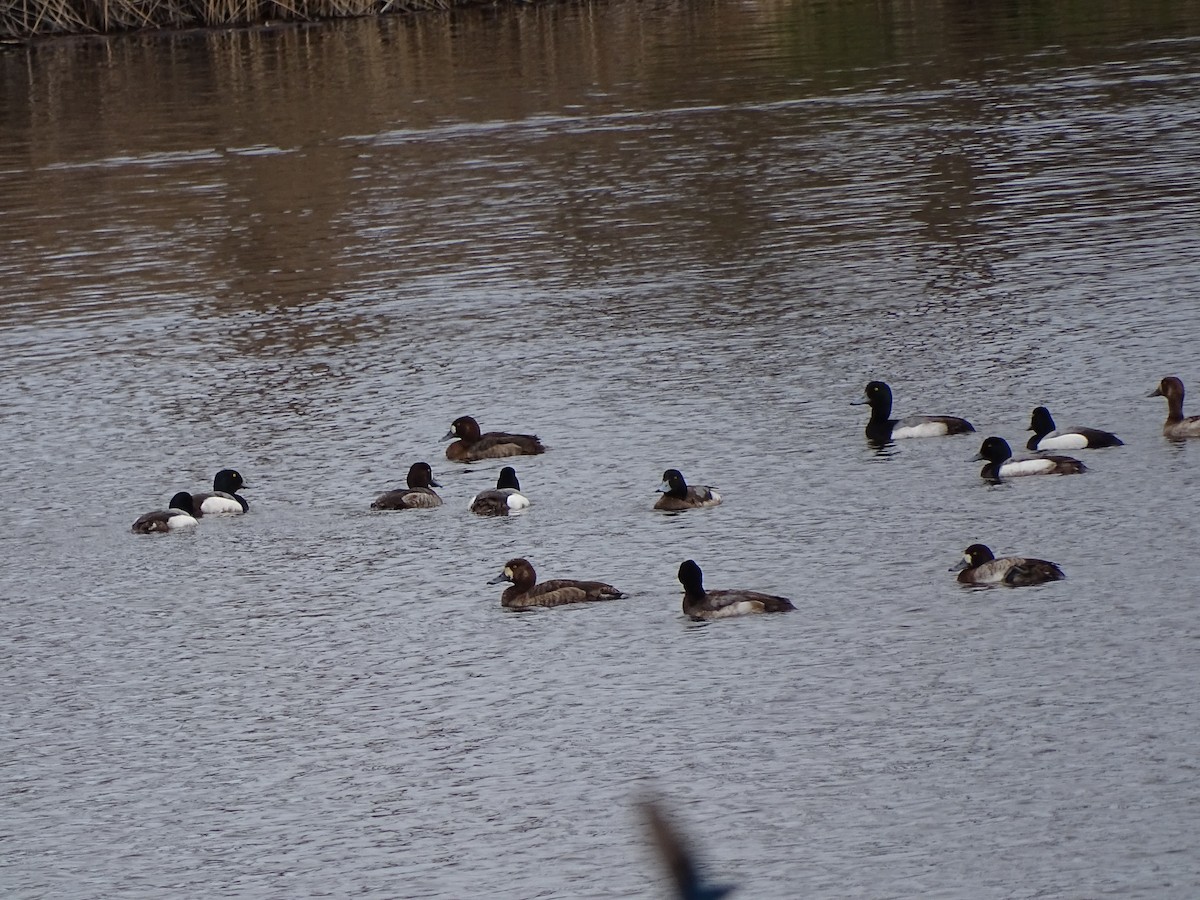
{"type": "Point", "coordinates": [504, 498]}
{"type": "Point", "coordinates": [471, 445]}
{"type": "Point", "coordinates": [701, 604]}
{"type": "Point", "coordinates": [224, 498]}
{"type": "Point", "coordinates": [1002, 464]}
{"type": "Point", "coordinates": [881, 428]}
{"type": "Point", "coordinates": [180, 514]}
{"type": "Point", "coordinates": [526, 593]}
{"type": "Point", "coordinates": [677, 494]}
{"type": "Point", "coordinates": [1176, 425]}
{"type": "Point", "coordinates": [418, 494]}
{"type": "Point", "coordinates": [979, 566]}
{"type": "Point", "coordinates": [1047, 437]}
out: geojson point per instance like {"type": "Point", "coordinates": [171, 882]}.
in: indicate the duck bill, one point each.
{"type": "Point", "coordinates": [498, 579]}
{"type": "Point", "coordinates": [662, 488]}
{"type": "Point", "coordinates": [962, 564]}
{"type": "Point", "coordinates": [1157, 392]}
{"type": "Point", "coordinates": [449, 435]}
{"type": "Point", "coordinates": [977, 458]}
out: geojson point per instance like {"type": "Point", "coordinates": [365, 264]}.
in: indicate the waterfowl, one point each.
{"type": "Point", "coordinates": [881, 428]}
{"type": "Point", "coordinates": [677, 494]}
{"type": "Point", "coordinates": [471, 445]}
{"type": "Point", "coordinates": [979, 566]}
{"type": "Point", "coordinates": [526, 593]}
{"type": "Point", "coordinates": [701, 604]}
{"type": "Point", "coordinates": [504, 498]}
{"type": "Point", "coordinates": [678, 859]}
{"type": "Point", "coordinates": [223, 499]}
{"type": "Point", "coordinates": [418, 494]}
{"type": "Point", "coordinates": [1176, 425]}
{"type": "Point", "coordinates": [180, 514]}
{"type": "Point", "coordinates": [1002, 464]}
{"type": "Point", "coordinates": [1047, 437]}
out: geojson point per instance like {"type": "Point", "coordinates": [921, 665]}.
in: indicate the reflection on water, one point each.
{"type": "Point", "coordinates": [671, 235]}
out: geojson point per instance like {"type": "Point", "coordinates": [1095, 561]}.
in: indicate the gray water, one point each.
{"type": "Point", "coordinates": [658, 235]}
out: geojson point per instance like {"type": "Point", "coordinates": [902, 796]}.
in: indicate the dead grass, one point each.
{"type": "Point", "coordinates": [29, 18]}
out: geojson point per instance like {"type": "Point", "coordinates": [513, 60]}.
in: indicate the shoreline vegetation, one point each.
{"type": "Point", "coordinates": [21, 20]}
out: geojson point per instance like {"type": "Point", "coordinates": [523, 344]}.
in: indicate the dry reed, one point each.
{"type": "Point", "coordinates": [29, 18]}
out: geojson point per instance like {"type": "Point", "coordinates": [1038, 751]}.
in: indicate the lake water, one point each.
{"type": "Point", "coordinates": [659, 235]}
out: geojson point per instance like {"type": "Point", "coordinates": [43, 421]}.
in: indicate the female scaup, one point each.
{"type": "Point", "coordinates": [979, 566]}
{"type": "Point", "coordinates": [1176, 425]}
{"type": "Point", "coordinates": [471, 445]}
{"type": "Point", "coordinates": [1002, 464]}
{"type": "Point", "coordinates": [418, 494]}
{"type": "Point", "coordinates": [224, 498]}
{"type": "Point", "coordinates": [1047, 437]}
{"type": "Point", "coordinates": [677, 494]}
{"type": "Point", "coordinates": [526, 593]}
{"type": "Point", "coordinates": [701, 604]}
{"type": "Point", "coordinates": [881, 428]}
{"type": "Point", "coordinates": [504, 498]}
{"type": "Point", "coordinates": [181, 514]}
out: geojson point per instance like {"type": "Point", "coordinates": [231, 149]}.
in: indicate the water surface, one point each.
{"type": "Point", "coordinates": [659, 235]}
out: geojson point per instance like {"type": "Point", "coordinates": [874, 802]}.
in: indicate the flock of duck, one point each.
{"type": "Point", "coordinates": [979, 566]}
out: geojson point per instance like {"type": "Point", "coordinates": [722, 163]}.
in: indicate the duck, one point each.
{"type": "Point", "coordinates": [418, 494]}
{"type": "Point", "coordinates": [504, 498]}
{"type": "Point", "coordinates": [700, 604]}
{"type": "Point", "coordinates": [881, 428]}
{"type": "Point", "coordinates": [471, 445]}
{"type": "Point", "coordinates": [678, 859]}
{"type": "Point", "coordinates": [1002, 464]}
{"type": "Point", "coordinates": [677, 494]}
{"type": "Point", "coordinates": [1047, 437]}
{"type": "Point", "coordinates": [526, 593]}
{"type": "Point", "coordinates": [223, 499]}
{"type": "Point", "coordinates": [181, 513]}
{"type": "Point", "coordinates": [1176, 425]}
{"type": "Point", "coordinates": [980, 566]}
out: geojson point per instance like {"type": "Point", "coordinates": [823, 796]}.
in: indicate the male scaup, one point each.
{"type": "Point", "coordinates": [677, 494]}
{"type": "Point", "coordinates": [418, 494]}
{"type": "Point", "coordinates": [678, 859]}
{"type": "Point", "coordinates": [1176, 425]}
{"type": "Point", "coordinates": [979, 566]}
{"type": "Point", "coordinates": [504, 498]}
{"type": "Point", "coordinates": [181, 514]}
{"type": "Point", "coordinates": [1002, 464]}
{"type": "Point", "coordinates": [1047, 437]}
{"type": "Point", "coordinates": [526, 593]}
{"type": "Point", "coordinates": [224, 499]}
{"type": "Point", "coordinates": [471, 445]}
{"type": "Point", "coordinates": [880, 428]}
{"type": "Point", "coordinates": [701, 604]}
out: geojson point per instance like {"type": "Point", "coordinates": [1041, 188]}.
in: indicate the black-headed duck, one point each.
{"type": "Point", "coordinates": [677, 494]}
{"type": "Point", "coordinates": [1002, 464]}
{"type": "Point", "coordinates": [223, 499]}
{"type": "Point", "coordinates": [980, 566]}
{"type": "Point", "coordinates": [881, 428]}
{"type": "Point", "coordinates": [471, 445]}
{"type": "Point", "coordinates": [1047, 437]}
{"type": "Point", "coordinates": [701, 604]}
{"type": "Point", "coordinates": [180, 514]}
{"type": "Point", "coordinates": [526, 593]}
{"type": "Point", "coordinates": [504, 498]}
{"type": "Point", "coordinates": [418, 495]}
{"type": "Point", "coordinates": [1176, 425]}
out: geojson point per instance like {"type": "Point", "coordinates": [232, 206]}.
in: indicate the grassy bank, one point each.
{"type": "Point", "coordinates": [30, 18]}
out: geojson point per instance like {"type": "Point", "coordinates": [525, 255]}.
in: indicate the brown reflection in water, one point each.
{"type": "Point", "coordinates": [275, 171]}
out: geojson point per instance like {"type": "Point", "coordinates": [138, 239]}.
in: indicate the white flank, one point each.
{"type": "Point", "coordinates": [1066, 441]}
{"type": "Point", "coordinates": [741, 608]}
{"type": "Point", "coordinates": [1017, 467]}
{"type": "Point", "coordinates": [517, 501]}
{"type": "Point", "coordinates": [180, 520]}
{"type": "Point", "coordinates": [924, 429]}
{"type": "Point", "coordinates": [219, 506]}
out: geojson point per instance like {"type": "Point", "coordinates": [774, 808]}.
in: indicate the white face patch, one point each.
{"type": "Point", "coordinates": [508, 573]}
